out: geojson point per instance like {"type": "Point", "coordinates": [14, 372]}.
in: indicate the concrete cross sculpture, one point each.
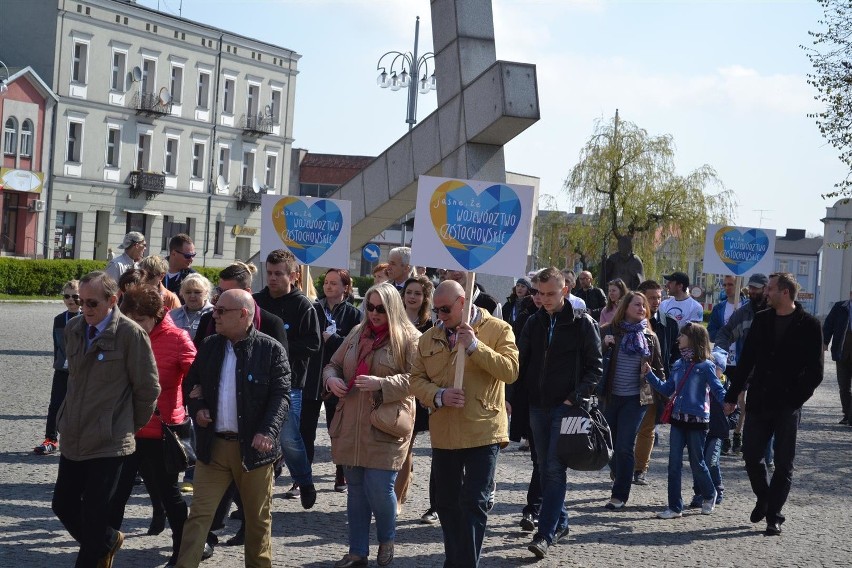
{"type": "Point", "coordinates": [482, 104]}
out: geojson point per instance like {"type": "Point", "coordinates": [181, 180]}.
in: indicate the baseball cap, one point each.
{"type": "Point", "coordinates": [758, 280]}
{"type": "Point", "coordinates": [131, 239]}
{"type": "Point", "coordinates": [679, 277]}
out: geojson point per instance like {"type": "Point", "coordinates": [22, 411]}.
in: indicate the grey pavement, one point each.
{"type": "Point", "coordinates": [817, 531]}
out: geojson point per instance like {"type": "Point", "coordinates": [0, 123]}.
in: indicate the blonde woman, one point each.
{"type": "Point", "coordinates": [371, 367]}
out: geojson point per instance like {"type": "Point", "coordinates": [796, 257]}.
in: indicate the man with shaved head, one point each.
{"type": "Point", "coordinates": [238, 391]}
{"type": "Point", "coordinates": [467, 425]}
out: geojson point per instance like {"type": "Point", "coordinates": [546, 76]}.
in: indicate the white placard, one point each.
{"type": "Point", "coordinates": [317, 231]}
{"type": "Point", "coordinates": [739, 251]}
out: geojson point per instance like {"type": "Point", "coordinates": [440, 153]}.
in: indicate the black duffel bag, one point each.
{"type": "Point", "coordinates": [585, 441]}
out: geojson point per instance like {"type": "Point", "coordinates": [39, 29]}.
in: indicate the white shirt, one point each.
{"type": "Point", "coordinates": [226, 407]}
{"type": "Point", "coordinates": [576, 303]}
{"type": "Point", "coordinates": [682, 311]}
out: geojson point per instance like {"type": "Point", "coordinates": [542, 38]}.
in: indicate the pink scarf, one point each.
{"type": "Point", "coordinates": [372, 338]}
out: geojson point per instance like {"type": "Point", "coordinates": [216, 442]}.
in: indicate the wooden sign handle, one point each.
{"type": "Point", "coordinates": [460, 355]}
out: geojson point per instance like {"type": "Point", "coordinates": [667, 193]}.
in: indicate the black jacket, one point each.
{"type": "Point", "coordinates": [569, 367]}
{"type": "Point", "coordinates": [667, 334]}
{"type": "Point", "coordinates": [786, 372]}
{"type": "Point", "coordinates": [263, 393]}
{"type": "Point", "coordinates": [346, 316]}
{"type": "Point", "coordinates": [173, 284]}
{"type": "Point", "coordinates": [303, 330]}
{"type": "Point", "coordinates": [594, 297]}
{"type": "Point", "coordinates": [835, 327]}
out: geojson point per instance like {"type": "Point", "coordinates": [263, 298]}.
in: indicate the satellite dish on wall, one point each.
{"type": "Point", "coordinates": [221, 184]}
{"type": "Point", "coordinates": [165, 96]}
{"type": "Point", "coordinates": [136, 74]}
{"type": "Point", "coordinates": [255, 185]}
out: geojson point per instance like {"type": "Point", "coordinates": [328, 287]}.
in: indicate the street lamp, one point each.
{"type": "Point", "coordinates": [3, 82]}
{"type": "Point", "coordinates": [399, 78]}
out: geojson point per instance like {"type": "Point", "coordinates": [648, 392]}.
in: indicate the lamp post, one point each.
{"type": "Point", "coordinates": [391, 78]}
{"type": "Point", "coordinates": [3, 86]}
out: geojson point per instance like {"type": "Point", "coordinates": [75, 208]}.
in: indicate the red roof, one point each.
{"type": "Point", "coordinates": [331, 169]}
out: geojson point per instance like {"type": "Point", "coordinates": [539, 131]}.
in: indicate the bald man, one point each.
{"type": "Point", "coordinates": [238, 391]}
{"type": "Point", "coordinates": [467, 425]}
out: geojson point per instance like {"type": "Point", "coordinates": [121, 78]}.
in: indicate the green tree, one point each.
{"type": "Point", "coordinates": [627, 180]}
{"type": "Point", "coordinates": [831, 58]}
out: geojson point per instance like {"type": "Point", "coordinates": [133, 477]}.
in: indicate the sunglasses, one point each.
{"type": "Point", "coordinates": [69, 296]}
{"type": "Point", "coordinates": [380, 309]}
{"type": "Point", "coordinates": [442, 310]}
{"type": "Point", "coordinates": [221, 311]}
{"type": "Point", "coordinates": [188, 255]}
{"type": "Point", "coordinates": [91, 303]}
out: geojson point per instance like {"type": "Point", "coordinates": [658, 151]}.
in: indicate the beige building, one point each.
{"type": "Point", "coordinates": [163, 125]}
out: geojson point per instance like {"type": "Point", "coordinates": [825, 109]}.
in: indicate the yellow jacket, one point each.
{"type": "Point", "coordinates": [494, 363]}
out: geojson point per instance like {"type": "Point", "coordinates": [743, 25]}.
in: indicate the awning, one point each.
{"type": "Point", "coordinates": [154, 213]}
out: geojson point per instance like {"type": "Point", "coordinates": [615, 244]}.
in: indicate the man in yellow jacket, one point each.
{"type": "Point", "coordinates": [467, 425]}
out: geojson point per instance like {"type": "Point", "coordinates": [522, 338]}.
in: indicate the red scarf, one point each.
{"type": "Point", "coordinates": [372, 338]}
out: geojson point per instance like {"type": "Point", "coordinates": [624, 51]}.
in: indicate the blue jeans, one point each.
{"type": "Point", "coordinates": [295, 455]}
{"type": "Point", "coordinates": [463, 480]}
{"type": "Point", "coordinates": [545, 425]}
{"type": "Point", "coordinates": [624, 415]}
{"type": "Point", "coordinates": [712, 453]}
{"type": "Point", "coordinates": [370, 493]}
{"type": "Point", "coordinates": [693, 439]}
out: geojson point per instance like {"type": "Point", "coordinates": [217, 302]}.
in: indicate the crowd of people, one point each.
{"type": "Point", "coordinates": [150, 343]}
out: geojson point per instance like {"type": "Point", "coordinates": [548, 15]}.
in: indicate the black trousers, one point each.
{"type": "Point", "coordinates": [534, 497]}
{"type": "Point", "coordinates": [844, 376]}
{"type": "Point", "coordinates": [58, 388]}
{"type": "Point", "coordinates": [759, 427]}
{"type": "Point", "coordinates": [82, 501]}
{"type": "Point", "coordinates": [310, 419]}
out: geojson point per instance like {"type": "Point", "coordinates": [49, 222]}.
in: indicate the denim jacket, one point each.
{"type": "Point", "coordinates": [694, 397]}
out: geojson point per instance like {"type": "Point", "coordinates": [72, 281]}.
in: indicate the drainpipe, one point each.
{"type": "Point", "coordinates": [212, 150]}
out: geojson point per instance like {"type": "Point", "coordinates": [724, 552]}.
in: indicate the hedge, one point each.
{"type": "Point", "coordinates": [45, 277]}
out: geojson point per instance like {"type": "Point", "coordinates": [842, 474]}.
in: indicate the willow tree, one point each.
{"type": "Point", "coordinates": [831, 57]}
{"type": "Point", "coordinates": [627, 179]}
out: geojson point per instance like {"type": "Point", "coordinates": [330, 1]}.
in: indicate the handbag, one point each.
{"type": "Point", "coordinates": [394, 418]}
{"type": "Point", "coordinates": [178, 447]}
{"type": "Point", "coordinates": [666, 417]}
{"type": "Point", "coordinates": [585, 439]}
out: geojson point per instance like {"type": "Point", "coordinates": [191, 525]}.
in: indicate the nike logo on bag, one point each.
{"type": "Point", "coordinates": [575, 425]}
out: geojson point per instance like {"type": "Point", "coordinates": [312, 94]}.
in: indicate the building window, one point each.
{"type": "Point", "coordinates": [119, 71]}
{"type": "Point", "coordinates": [63, 234]}
{"type": "Point", "coordinates": [173, 226]}
{"type": "Point", "coordinates": [10, 137]}
{"type": "Point", "coordinates": [203, 90]}
{"type": "Point", "coordinates": [783, 266]}
{"type": "Point", "coordinates": [219, 246]}
{"type": "Point", "coordinates": [253, 99]}
{"type": "Point", "coordinates": [248, 168]}
{"type": "Point", "coordinates": [224, 162]}
{"type": "Point", "coordinates": [271, 164]}
{"type": "Point", "coordinates": [276, 106]}
{"type": "Point", "coordinates": [79, 63]}
{"type": "Point", "coordinates": [143, 153]}
{"type": "Point", "coordinates": [316, 189]}
{"type": "Point", "coordinates": [149, 75]}
{"type": "Point", "coordinates": [803, 266]}
{"type": "Point", "coordinates": [75, 141]}
{"type": "Point", "coordinates": [177, 84]}
{"type": "Point", "coordinates": [197, 160]}
{"type": "Point", "coordinates": [171, 156]}
{"type": "Point", "coordinates": [27, 138]}
{"type": "Point", "coordinates": [113, 146]}
{"type": "Point", "coordinates": [228, 96]}
{"type": "Point", "coordinates": [135, 222]}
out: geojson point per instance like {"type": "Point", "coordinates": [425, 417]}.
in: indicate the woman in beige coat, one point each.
{"type": "Point", "coordinates": [370, 368]}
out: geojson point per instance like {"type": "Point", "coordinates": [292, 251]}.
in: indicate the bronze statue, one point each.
{"type": "Point", "coordinates": [625, 265]}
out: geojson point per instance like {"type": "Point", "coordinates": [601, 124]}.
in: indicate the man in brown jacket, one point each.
{"type": "Point", "coordinates": [467, 426]}
{"type": "Point", "coordinates": [112, 392]}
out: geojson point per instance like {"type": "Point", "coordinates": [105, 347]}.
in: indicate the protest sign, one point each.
{"type": "Point", "coordinates": [317, 231]}
{"type": "Point", "coordinates": [738, 251]}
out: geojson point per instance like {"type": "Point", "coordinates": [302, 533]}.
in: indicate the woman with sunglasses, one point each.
{"type": "Point", "coordinates": [337, 316]}
{"type": "Point", "coordinates": [174, 352]}
{"type": "Point", "coordinates": [629, 343]}
{"type": "Point", "coordinates": [371, 367]}
{"type": "Point", "coordinates": [195, 291]}
{"type": "Point", "coordinates": [71, 298]}
{"type": "Point", "coordinates": [615, 292]}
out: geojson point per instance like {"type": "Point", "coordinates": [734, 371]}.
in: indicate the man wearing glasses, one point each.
{"type": "Point", "coordinates": [112, 392]}
{"type": "Point", "coordinates": [467, 425]}
{"type": "Point", "coordinates": [134, 246]}
{"type": "Point", "coordinates": [238, 391]}
{"type": "Point", "coordinates": [181, 255]}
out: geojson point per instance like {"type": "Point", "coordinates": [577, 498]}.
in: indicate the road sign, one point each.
{"type": "Point", "coordinates": [371, 252]}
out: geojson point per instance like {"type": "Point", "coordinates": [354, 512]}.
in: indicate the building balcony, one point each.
{"type": "Point", "coordinates": [256, 125]}
{"type": "Point", "coordinates": [151, 104]}
{"type": "Point", "coordinates": [148, 182]}
{"type": "Point", "coordinates": [246, 195]}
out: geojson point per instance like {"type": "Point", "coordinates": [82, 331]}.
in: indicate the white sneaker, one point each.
{"type": "Point", "coordinates": [668, 514]}
{"type": "Point", "coordinates": [708, 505]}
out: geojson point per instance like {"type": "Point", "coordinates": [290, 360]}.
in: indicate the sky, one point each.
{"type": "Point", "coordinates": [726, 79]}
